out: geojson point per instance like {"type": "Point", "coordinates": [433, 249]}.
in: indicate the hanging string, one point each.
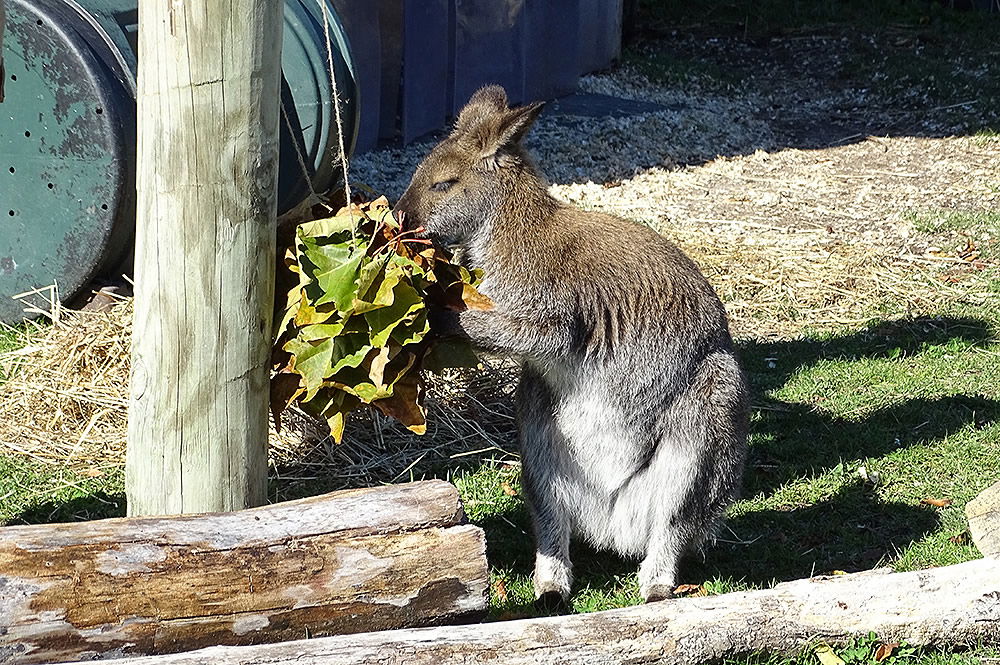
{"type": "Point", "coordinates": [336, 104]}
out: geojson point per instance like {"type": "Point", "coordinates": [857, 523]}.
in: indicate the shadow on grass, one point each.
{"type": "Point", "coordinates": [850, 530]}
{"type": "Point", "coordinates": [96, 506]}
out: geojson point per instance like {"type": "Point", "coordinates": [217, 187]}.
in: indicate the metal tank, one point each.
{"type": "Point", "coordinates": [67, 134]}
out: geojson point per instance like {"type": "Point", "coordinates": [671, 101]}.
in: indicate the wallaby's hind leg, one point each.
{"type": "Point", "coordinates": [553, 575]}
{"type": "Point", "coordinates": [540, 452]}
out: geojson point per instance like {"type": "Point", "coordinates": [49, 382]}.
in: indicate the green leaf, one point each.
{"type": "Point", "coordinates": [339, 285]}
{"type": "Point", "coordinates": [332, 226]}
{"type": "Point", "coordinates": [307, 314]}
{"type": "Point", "coordinates": [348, 351]}
{"type": "Point", "coordinates": [357, 319]}
{"type": "Point", "coordinates": [404, 301]}
{"type": "Point", "coordinates": [384, 294]}
{"type": "Point", "coordinates": [322, 254]}
{"type": "Point", "coordinates": [312, 360]}
{"type": "Point", "coordinates": [318, 331]}
{"type": "Point", "coordinates": [369, 392]}
{"type": "Point", "coordinates": [413, 329]}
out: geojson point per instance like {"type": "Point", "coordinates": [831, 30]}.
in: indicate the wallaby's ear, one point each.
{"type": "Point", "coordinates": [504, 131]}
{"type": "Point", "coordinates": [486, 104]}
{"type": "Point", "coordinates": [517, 122]}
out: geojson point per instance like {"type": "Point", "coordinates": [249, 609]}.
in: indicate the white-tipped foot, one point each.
{"type": "Point", "coordinates": [656, 592]}
{"type": "Point", "coordinates": [552, 576]}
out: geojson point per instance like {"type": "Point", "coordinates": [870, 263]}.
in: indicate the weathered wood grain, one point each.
{"type": "Point", "coordinates": [957, 604]}
{"type": "Point", "coordinates": [983, 513]}
{"type": "Point", "coordinates": [347, 562]}
{"type": "Point", "coordinates": [208, 90]}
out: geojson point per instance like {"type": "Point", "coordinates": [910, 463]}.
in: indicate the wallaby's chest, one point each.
{"type": "Point", "coordinates": [594, 439]}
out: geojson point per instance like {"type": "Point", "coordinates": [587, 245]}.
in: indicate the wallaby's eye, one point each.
{"type": "Point", "coordinates": [444, 185]}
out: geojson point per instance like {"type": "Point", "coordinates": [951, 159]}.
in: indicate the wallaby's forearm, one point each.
{"type": "Point", "coordinates": [503, 332]}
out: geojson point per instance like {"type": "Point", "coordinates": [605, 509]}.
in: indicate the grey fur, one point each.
{"type": "Point", "coordinates": [632, 407]}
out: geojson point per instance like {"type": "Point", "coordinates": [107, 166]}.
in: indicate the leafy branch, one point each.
{"type": "Point", "coordinates": [355, 327]}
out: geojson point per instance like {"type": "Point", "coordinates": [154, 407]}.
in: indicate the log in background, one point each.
{"type": "Point", "coordinates": [952, 605]}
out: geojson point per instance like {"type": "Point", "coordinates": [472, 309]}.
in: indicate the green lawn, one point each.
{"type": "Point", "coordinates": [916, 403]}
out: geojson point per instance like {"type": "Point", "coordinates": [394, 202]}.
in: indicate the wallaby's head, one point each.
{"type": "Point", "coordinates": [467, 177]}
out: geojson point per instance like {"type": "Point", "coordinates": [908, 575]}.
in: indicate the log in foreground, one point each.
{"type": "Point", "coordinates": [983, 513]}
{"type": "Point", "coordinates": [952, 605]}
{"type": "Point", "coordinates": [346, 562]}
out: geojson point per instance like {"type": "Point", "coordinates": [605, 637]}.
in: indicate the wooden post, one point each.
{"type": "Point", "coordinates": [206, 177]}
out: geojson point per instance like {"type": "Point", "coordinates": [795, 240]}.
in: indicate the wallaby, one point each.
{"type": "Point", "coordinates": [631, 405]}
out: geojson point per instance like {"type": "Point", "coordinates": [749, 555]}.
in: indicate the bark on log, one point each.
{"type": "Point", "coordinates": [345, 562]}
{"type": "Point", "coordinates": [983, 513]}
{"type": "Point", "coordinates": [951, 605]}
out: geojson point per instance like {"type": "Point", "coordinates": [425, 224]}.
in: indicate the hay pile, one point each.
{"type": "Point", "coordinates": [65, 401]}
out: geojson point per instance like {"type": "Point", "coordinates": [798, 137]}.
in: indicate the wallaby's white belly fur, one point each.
{"type": "Point", "coordinates": [610, 501]}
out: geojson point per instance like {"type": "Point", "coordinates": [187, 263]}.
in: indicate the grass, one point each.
{"type": "Point", "coordinates": [863, 650]}
{"type": "Point", "coordinates": [850, 434]}
{"type": "Point", "coordinates": [9, 339]}
{"type": "Point", "coordinates": [915, 402]}
{"type": "Point", "coordinates": [938, 221]}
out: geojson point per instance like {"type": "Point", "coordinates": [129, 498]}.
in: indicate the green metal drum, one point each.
{"type": "Point", "coordinates": [67, 134]}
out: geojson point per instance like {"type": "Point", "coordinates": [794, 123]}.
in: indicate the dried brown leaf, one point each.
{"type": "Point", "coordinates": [500, 591]}
{"type": "Point", "coordinates": [885, 650]}
{"type": "Point", "coordinates": [690, 590]}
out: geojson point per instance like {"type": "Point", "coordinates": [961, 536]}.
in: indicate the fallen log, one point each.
{"type": "Point", "coordinates": [983, 513]}
{"type": "Point", "coordinates": [957, 604]}
{"type": "Point", "coordinates": [345, 562]}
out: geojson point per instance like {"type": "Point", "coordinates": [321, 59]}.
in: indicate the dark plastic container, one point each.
{"type": "Point", "coordinates": [67, 134]}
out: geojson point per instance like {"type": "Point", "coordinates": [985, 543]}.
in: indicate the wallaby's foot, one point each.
{"type": "Point", "coordinates": [658, 573]}
{"type": "Point", "coordinates": [551, 602]}
{"type": "Point", "coordinates": [553, 578]}
{"type": "Point", "coordinates": [657, 592]}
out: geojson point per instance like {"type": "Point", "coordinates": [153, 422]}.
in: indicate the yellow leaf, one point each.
{"type": "Point", "coordinates": [827, 656]}
{"type": "Point", "coordinates": [337, 423]}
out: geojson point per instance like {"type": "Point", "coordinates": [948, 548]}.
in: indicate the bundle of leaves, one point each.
{"type": "Point", "coordinates": [355, 329]}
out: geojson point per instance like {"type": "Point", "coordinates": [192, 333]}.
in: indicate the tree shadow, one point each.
{"type": "Point", "coordinates": [96, 506]}
{"type": "Point", "coordinates": [734, 82]}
